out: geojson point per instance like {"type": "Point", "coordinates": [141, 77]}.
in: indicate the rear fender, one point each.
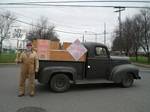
{"type": "Point", "coordinates": [48, 72]}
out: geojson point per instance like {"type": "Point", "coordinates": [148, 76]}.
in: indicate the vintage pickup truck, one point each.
{"type": "Point", "coordinates": [99, 67]}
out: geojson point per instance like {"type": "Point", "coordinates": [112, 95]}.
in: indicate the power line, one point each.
{"type": "Point", "coordinates": [22, 15]}
{"type": "Point", "coordinates": [120, 25]}
{"type": "Point", "coordinates": [59, 4]}
{"type": "Point", "coordinates": [84, 6]}
{"type": "Point", "coordinates": [47, 28]}
{"type": "Point", "coordinates": [51, 21]}
{"type": "Point", "coordinates": [54, 30]}
{"type": "Point", "coordinates": [40, 26]}
{"type": "Point", "coordinates": [81, 1]}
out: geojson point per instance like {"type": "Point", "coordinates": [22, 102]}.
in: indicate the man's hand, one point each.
{"type": "Point", "coordinates": [36, 70]}
{"type": "Point", "coordinates": [16, 60]}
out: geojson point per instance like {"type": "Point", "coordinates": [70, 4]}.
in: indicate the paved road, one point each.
{"type": "Point", "coordinates": [81, 98]}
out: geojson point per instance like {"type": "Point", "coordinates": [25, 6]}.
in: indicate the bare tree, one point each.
{"type": "Point", "coordinates": [135, 34]}
{"type": "Point", "coordinates": [6, 20]}
{"type": "Point", "coordinates": [42, 30]}
{"type": "Point", "coordinates": [127, 35]}
{"type": "Point", "coordinates": [145, 32]}
{"type": "Point", "coordinates": [116, 45]}
{"type": "Point", "coordinates": [124, 42]}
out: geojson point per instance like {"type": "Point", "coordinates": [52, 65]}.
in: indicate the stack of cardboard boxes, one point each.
{"type": "Point", "coordinates": [53, 50]}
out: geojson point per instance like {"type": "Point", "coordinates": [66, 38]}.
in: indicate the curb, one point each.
{"type": "Point", "coordinates": [141, 65]}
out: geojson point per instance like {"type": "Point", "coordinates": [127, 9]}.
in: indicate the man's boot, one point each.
{"type": "Point", "coordinates": [21, 94]}
{"type": "Point", "coordinates": [32, 94]}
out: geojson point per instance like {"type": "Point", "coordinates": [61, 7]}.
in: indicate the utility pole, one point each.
{"type": "Point", "coordinates": [18, 34]}
{"type": "Point", "coordinates": [83, 38]}
{"type": "Point", "coordinates": [105, 33]}
{"type": "Point", "coordinates": [95, 37]}
{"type": "Point", "coordinates": [120, 9]}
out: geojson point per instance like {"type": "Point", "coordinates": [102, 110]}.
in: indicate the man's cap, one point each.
{"type": "Point", "coordinates": [29, 44]}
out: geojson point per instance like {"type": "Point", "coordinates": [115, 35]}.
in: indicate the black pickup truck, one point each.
{"type": "Point", "coordinates": [99, 67]}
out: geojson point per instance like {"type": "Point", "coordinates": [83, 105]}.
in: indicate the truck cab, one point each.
{"type": "Point", "coordinates": [98, 61]}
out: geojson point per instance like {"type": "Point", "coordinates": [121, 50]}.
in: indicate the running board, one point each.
{"type": "Point", "coordinates": [92, 81]}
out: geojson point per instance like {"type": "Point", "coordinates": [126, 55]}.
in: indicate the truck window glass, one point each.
{"type": "Point", "coordinates": [101, 51]}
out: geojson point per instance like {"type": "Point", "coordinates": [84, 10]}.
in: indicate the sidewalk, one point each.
{"type": "Point", "coordinates": [141, 65]}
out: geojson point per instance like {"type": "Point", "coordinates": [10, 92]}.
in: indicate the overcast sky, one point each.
{"type": "Point", "coordinates": [75, 19]}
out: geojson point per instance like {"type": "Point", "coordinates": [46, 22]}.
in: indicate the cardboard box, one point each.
{"type": "Point", "coordinates": [66, 45]}
{"type": "Point", "coordinates": [34, 45]}
{"type": "Point", "coordinates": [54, 45]}
{"type": "Point", "coordinates": [43, 49]}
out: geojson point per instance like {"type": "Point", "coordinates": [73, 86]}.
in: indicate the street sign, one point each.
{"type": "Point", "coordinates": [77, 50]}
{"type": "Point", "coordinates": [17, 33]}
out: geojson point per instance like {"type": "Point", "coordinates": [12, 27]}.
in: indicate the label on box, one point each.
{"type": "Point", "coordinates": [42, 49]}
{"type": "Point", "coordinates": [77, 50]}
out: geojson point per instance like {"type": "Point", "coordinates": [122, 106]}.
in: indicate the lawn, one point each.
{"type": "Point", "coordinates": [141, 59]}
{"type": "Point", "coordinates": [7, 57]}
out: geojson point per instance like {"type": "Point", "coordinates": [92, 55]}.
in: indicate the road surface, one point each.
{"type": "Point", "coordinates": [80, 98]}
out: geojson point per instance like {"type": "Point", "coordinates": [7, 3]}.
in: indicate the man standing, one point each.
{"type": "Point", "coordinates": [29, 67]}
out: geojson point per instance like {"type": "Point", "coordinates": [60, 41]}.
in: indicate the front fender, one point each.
{"type": "Point", "coordinates": [47, 73]}
{"type": "Point", "coordinates": [120, 71]}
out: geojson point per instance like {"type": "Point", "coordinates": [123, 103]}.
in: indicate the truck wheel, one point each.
{"type": "Point", "coordinates": [127, 81]}
{"type": "Point", "coordinates": [59, 83]}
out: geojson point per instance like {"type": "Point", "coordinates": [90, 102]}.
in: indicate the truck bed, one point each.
{"type": "Point", "coordinates": [78, 65]}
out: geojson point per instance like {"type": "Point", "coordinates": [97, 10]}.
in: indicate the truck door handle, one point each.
{"type": "Point", "coordinates": [89, 66]}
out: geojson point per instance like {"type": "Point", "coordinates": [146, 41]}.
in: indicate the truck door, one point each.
{"type": "Point", "coordinates": [98, 64]}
